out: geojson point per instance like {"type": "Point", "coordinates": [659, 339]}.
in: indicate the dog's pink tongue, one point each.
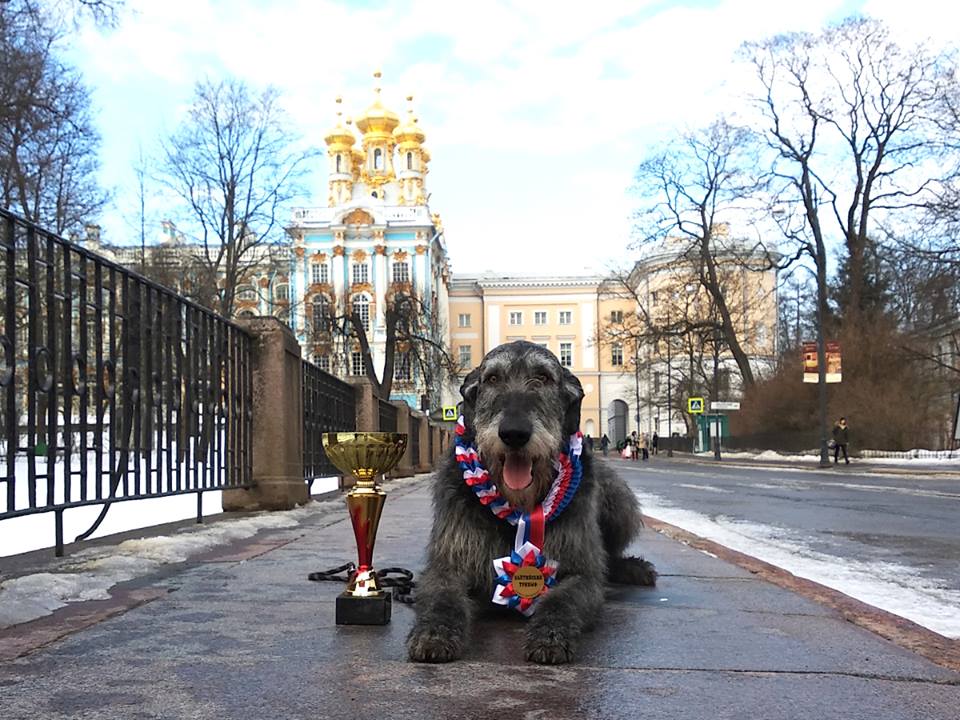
{"type": "Point", "coordinates": [517, 472]}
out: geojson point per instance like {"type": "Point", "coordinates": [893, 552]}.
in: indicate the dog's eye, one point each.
{"type": "Point", "coordinates": [538, 381]}
{"type": "Point", "coordinates": [492, 379]}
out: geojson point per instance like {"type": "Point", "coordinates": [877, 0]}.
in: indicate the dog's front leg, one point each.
{"type": "Point", "coordinates": [444, 614]}
{"type": "Point", "coordinates": [561, 617]}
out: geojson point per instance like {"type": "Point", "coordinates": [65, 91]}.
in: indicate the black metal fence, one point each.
{"type": "Point", "coordinates": [388, 416]}
{"type": "Point", "coordinates": [111, 387]}
{"type": "Point", "coordinates": [415, 440]}
{"type": "Point", "coordinates": [329, 405]}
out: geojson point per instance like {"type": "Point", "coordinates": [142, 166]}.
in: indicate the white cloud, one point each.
{"type": "Point", "coordinates": [536, 114]}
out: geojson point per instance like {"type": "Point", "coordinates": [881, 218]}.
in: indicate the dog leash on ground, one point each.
{"type": "Point", "coordinates": [402, 583]}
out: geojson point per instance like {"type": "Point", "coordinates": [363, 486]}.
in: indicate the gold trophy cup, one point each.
{"type": "Point", "coordinates": [365, 455]}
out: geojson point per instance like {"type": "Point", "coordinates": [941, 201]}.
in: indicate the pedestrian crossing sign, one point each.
{"type": "Point", "coordinates": [450, 413]}
{"type": "Point", "coordinates": [695, 406]}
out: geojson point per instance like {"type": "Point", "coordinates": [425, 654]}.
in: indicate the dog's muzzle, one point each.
{"type": "Point", "coordinates": [517, 465]}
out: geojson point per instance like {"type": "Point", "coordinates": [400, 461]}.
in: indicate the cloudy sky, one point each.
{"type": "Point", "coordinates": [536, 113]}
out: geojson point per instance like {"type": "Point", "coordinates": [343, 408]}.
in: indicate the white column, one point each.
{"type": "Point", "coordinates": [493, 326]}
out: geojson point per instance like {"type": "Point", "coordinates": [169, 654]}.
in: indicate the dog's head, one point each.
{"type": "Point", "coordinates": [521, 405]}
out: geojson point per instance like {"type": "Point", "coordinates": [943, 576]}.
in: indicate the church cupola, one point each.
{"type": "Point", "coordinates": [342, 157]}
{"type": "Point", "coordinates": [377, 124]}
{"type": "Point", "coordinates": [411, 159]}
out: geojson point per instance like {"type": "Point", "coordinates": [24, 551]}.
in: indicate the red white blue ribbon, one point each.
{"type": "Point", "coordinates": [528, 543]}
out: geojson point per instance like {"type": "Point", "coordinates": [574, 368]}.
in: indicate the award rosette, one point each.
{"type": "Point", "coordinates": [523, 577]}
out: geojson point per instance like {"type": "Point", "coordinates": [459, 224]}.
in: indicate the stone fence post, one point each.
{"type": "Point", "coordinates": [406, 464]}
{"type": "Point", "coordinates": [424, 463]}
{"type": "Point", "coordinates": [277, 450]}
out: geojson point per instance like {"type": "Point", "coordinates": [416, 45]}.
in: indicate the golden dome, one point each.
{"type": "Point", "coordinates": [340, 137]}
{"type": "Point", "coordinates": [409, 132]}
{"type": "Point", "coordinates": [377, 119]}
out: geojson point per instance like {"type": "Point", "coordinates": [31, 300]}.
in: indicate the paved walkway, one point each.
{"type": "Point", "coordinates": [241, 634]}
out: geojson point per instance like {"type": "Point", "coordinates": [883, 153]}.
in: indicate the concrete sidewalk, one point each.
{"type": "Point", "coordinates": [242, 634]}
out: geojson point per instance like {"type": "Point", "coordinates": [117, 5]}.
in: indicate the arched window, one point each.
{"type": "Point", "coordinates": [377, 159]}
{"type": "Point", "coordinates": [246, 292]}
{"type": "Point", "coordinates": [338, 162]}
{"type": "Point", "coordinates": [361, 307]}
{"type": "Point", "coordinates": [409, 160]}
{"type": "Point", "coordinates": [281, 292]}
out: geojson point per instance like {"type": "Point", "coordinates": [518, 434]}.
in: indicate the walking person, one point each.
{"type": "Point", "coordinates": [656, 443]}
{"type": "Point", "coordinates": [634, 446]}
{"type": "Point", "coordinates": [645, 446]}
{"type": "Point", "coordinates": [841, 436]}
{"type": "Point", "coordinates": [604, 444]}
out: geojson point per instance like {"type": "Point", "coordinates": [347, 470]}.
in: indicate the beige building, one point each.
{"type": "Point", "coordinates": [600, 328]}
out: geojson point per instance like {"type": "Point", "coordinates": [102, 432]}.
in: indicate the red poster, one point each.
{"type": "Point", "coordinates": [810, 365]}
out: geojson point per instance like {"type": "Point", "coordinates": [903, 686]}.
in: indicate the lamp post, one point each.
{"type": "Point", "coordinates": [716, 391]}
{"type": "Point", "coordinates": [669, 394]}
{"type": "Point", "coordinates": [636, 378]}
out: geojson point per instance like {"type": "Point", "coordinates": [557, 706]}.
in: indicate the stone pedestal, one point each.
{"type": "Point", "coordinates": [277, 421]}
{"type": "Point", "coordinates": [406, 464]}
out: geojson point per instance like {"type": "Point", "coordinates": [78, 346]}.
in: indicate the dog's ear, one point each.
{"type": "Point", "coordinates": [572, 393]}
{"type": "Point", "coordinates": [469, 389]}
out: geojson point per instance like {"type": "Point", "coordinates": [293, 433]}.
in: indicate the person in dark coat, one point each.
{"type": "Point", "coordinates": [841, 436]}
{"type": "Point", "coordinates": [604, 443]}
{"type": "Point", "coordinates": [656, 443]}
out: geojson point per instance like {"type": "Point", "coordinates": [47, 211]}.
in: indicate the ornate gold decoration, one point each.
{"type": "Point", "coordinates": [376, 119]}
{"type": "Point", "coordinates": [378, 236]}
{"type": "Point", "coordinates": [421, 249]}
{"type": "Point", "coordinates": [359, 255]}
{"type": "Point", "coordinates": [298, 251]}
{"type": "Point", "coordinates": [264, 282]}
{"type": "Point", "coordinates": [338, 249]}
{"type": "Point", "coordinates": [319, 256]}
{"type": "Point", "coordinates": [409, 135]}
{"type": "Point", "coordinates": [356, 288]}
{"type": "Point", "coordinates": [379, 249]}
{"type": "Point", "coordinates": [340, 138]}
{"type": "Point", "coordinates": [400, 255]}
{"type": "Point", "coordinates": [338, 236]}
{"type": "Point", "coordinates": [358, 217]}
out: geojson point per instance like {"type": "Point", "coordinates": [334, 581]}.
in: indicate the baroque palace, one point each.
{"type": "Point", "coordinates": [377, 239]}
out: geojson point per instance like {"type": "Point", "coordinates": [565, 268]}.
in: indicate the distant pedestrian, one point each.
{"type": "Point", "coordinates": [656, 443]}
{"type": "Point", "coordinates": [588, 441]}
{"type": "Point", "coordinates": [645, 446]}
{"type": "Point", "coordinates": [604, 444]}
{"type": "Point", "coordinates": [634, 446]}
{"type": "Point", "coordinates": [841, 437]}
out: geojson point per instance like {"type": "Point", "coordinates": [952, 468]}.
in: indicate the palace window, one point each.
{"type": "Point", "coordinates": [464, 320]}
{"type": "Point", "coordinates": [540, 317]}
{"type": "Point", "coordinates": [516, 318]}
{"type": "Point", "coordinates": [322, 362]}
{"type": "Point", "coordinates": [319, 273]}
{"type": "Point", "coordinates": [616, 316]}
{"type": "Point", "coordinates": [409, 161]}
{"type": "Point", "coordinates": [361, 273]}
{"type": "Point", "coordinates": [566, 354]}
{"type": "Point", "coordinates": [401, 272]}
{"type": "Point", "coordinates": [246, 292]}
{"type": "Point", "coordinates": [281, 293]}
{"type": "Point", "coordinates": [401, 368]}
{"type": "Point", "coordinates": [338, 162]}
{"type": "Point", "coordinates": [616, 354]}
{"type": "Point", "coordinates": [321, 313]}
{"type": "Point", "coordinates": [378, 159]}
{"type": "Point", "coordinates": [466, 357]}
{"type": "Point", "coordinates": [656, 382]}
{"type": "Point", "coordinates": [361, 307]}
{"type": "Point", "coordinates": [356, 363]}
{"type": "Point", "coordinates": [566, 317]}
{"type": "Point", "coordinates": [653, 298]}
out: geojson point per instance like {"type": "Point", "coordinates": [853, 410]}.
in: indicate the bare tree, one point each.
{"type": "Point", "coordinates": [234, 163]}
{"type": "Point", "coordinates": [689, 191]}
{"type": "Point", "coordinates": [48, 144]}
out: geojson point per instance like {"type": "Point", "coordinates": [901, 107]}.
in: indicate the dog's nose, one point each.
{"type": "Point", "coordinates": [515, 434]}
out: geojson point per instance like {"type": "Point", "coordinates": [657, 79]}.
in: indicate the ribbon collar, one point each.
{"type": "Point", "coordinates": [527, 553]}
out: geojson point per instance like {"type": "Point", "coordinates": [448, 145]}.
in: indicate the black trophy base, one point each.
{"type": "Point", "coordinates": [369, 610]}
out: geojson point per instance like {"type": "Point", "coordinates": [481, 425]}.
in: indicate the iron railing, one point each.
{"type": "Point", "coordinates": [112, 387]}
{"type": "Point", "coordinates": [329, 405]}
{"type": "Point", "coordinates": [388, 416]}
{"type": "Point", "coordinates": [415, 441]}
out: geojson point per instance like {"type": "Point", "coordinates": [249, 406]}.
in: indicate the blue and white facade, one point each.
{"type": "Point", "coordinates": [376, 237]}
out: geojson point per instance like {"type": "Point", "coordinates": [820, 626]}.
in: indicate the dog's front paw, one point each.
{"type": "Point", "coordinates": [632, 571]}
{"type": "Point", "coordinates": [434, 644]}
{"type": "Point", "coordinates": [548, 647]}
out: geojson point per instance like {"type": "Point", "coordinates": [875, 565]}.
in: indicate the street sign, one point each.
{"type": "Point", "coordinates": [450, 413]}
{"type": "Point", "coordinates": [695, 406]}
{"type": "Point", "coordinates": [811, 374]}
{"type": "Point", "coordinates": [724, 405]}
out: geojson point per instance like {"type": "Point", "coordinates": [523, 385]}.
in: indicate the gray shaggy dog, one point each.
{"type": "Point", "coordinates": [520, 405]}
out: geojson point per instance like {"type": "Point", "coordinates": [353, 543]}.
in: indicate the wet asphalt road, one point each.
{"type": "Point", "coordinates": [913, 521]}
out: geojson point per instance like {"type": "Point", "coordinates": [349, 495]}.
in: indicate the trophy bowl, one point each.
{"type": "Point", "coordinates": [365, 455]}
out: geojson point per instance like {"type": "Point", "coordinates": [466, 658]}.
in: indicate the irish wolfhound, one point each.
{"type": "Point", "coordinates": [518, 454]}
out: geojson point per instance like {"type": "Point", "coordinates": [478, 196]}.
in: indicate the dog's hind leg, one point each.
{"type": "Point", "coordinates": [631, 570]}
